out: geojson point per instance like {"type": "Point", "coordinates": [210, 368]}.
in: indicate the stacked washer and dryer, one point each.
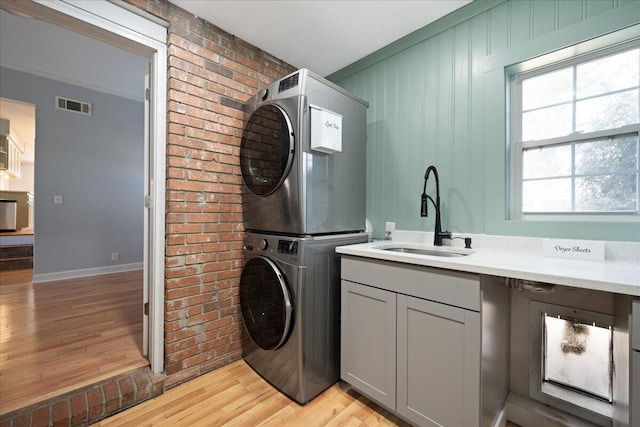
{"type": "Point", "coordinates": [302, 159]}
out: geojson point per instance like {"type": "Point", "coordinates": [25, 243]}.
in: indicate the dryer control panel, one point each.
{"type": "Point", "coordinates": [287, 247]}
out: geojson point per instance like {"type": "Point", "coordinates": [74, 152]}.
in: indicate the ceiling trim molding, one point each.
{"type": "Point", "coordinates": [466, 12]}
{"type": "Point", "coordinates": [69, 81]}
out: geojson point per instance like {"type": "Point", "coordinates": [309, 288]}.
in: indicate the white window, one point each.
{"type": "Point", "coordinates": [574, 135]}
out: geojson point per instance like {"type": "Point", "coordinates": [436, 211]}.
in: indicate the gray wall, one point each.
{"type": "Point", "coordinates": [96, 163]}
{"type": "Point", "coordinates": [438, 97]}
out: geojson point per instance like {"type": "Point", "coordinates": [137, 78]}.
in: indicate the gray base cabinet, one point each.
{"type": "Point", "coordinates": [438, 363]}
{"type": "Point", "coordinates": [411, 341]}
{"type": "Point", "coordinates": [368, 341]}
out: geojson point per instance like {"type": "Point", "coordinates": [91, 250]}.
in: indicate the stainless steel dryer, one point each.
{"type": "Point", "coordinates": [291, 188]}
{"type": "Point", "coordinates": [290, 301]}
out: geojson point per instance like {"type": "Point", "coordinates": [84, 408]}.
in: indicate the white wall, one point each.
{"type": "Point", "coordinates": [96, 163]}
{"type": "Point", "coordinates": [40, 48]}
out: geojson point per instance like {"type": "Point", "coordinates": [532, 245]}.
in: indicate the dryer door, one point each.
{"type": "Point", "coordinates": [266, 151]}
{"type": "Point", "coordinates": [266, 303]}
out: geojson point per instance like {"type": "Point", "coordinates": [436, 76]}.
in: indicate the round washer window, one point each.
{"type": "Point", "coordinates": [266, 303]}
{"type": "Point", "coordinates": [266, 150]}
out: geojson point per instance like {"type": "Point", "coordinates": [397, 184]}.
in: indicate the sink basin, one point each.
{"type": "Point", "coordinates": [434, 251]}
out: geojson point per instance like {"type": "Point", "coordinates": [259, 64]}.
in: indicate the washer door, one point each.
{"type": "Point", "coordinates": [266, 304]}
{"type": "Point", "coordinates": [266, 150]}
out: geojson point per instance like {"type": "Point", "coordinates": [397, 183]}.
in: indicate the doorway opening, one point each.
{"type": "Point", "coordinates": [111, 24]}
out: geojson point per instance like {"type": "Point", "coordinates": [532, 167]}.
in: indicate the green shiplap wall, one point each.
{"type": "Point", "coordinates": [438, 97]}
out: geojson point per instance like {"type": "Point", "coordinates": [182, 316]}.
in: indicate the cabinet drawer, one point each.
{"type": "Point", "coordinates": [635, 325]}
{"type": "Point", "coordinates": [448, 287]}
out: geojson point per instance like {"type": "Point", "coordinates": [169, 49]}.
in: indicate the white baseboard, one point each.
{"type": "Point", "coordinates": [16, 240]}
{"type": "Point", "coordinates": [86, 272]}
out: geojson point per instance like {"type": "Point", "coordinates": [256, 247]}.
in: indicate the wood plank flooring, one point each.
{"type": "Point", "coordinates": [235, 395]}
{"type": "Point", "coordinates": [58, 336]}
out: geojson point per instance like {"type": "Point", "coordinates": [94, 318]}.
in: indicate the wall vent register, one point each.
{"type": "Point", "coordinates": [73, 105]}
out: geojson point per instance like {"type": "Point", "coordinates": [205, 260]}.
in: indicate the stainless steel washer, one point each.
{"type": "Point", "coordinates": [290, 188]}
{"type": "Point", "coordinates": [290, 301]}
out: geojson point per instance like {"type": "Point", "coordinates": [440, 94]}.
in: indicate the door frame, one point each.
{"type": "Point", "coordinates": [129, 28]}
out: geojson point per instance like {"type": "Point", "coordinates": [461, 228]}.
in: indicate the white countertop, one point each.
{"type": "Point", "coordinates": [610, 276]}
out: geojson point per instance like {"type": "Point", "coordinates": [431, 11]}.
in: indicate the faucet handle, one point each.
{"type": "Point", "coordinates": [423, 205]}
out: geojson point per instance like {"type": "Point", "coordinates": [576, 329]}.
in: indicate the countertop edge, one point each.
{"type": "Point", "coordinates": [479, 263]}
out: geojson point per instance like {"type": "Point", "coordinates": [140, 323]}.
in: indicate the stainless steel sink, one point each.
{"type": "Point", "coordinates": [430, 252]}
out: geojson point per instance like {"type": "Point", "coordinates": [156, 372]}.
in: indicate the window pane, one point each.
{"type": "Point", "coordinates": [608, 74]}
{"type": "Point", "coordinates": [547, 123]}
{"type": "Point", "coordinates": [607, 112]}
{"type": "Point", "coordinates": [606, 193]}
{"type": "Point", "coordinates": [609, 155]}
{"type": "Point", "coordinates": [547, 89]}
{"type": "Point", "coordinates": [548, 195]}
{"type": "Point", "coordinates": [578, 355]}
{"type": "Point", "coordinates": [546, 162]}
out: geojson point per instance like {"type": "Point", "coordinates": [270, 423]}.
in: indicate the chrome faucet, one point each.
{"type": "Point", "coordinates": [438, 234]}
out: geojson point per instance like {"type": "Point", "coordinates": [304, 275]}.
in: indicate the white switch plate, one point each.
{"type": "Point", "coordinates": [390, 227]}
{"type": "Point", "coordinates": [114, 256]}
{"type": "Point", "coordinates": [57, 199]}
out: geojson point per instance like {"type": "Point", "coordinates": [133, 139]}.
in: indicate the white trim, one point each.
{"type": "Point", "coordinates": [110, 23]}
{"type": "Point", "coordinates": [123, 19]}
{"type": "Point", "coordinates": [86, 272]}
{"type": "Point", "coordinates": [9, 240]}
{"type": "Point", "coordinates": [67, 80]}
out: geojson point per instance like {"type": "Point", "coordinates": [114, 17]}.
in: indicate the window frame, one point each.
{"type": "Point", "coordinates": [545, 64]}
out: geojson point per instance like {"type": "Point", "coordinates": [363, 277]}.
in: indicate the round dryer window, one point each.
{"type": "Point", "coordinates": [266, 303]}
{"type": "Point", "coordinates": [266, 151]}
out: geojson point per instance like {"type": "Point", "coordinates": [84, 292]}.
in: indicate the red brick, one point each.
{"type": "Point", "coordinates": [96, 403]}
{"type": "Point", "coordinates": [181, 355]}
{"type": "Point", "coordinates": [22, 420]}
{"type": "Point", "coordinates": [178, 335]}
{"type": "Point", "coordinates": [40, 416]}
{"type": "Point", "coordinates": [79, 408]}
{"type": "Point", "coordinates": [111, 397]}
{"type": "Point", "coordinates": [143, 385]}
{"type": "Point", "coordinates": [182, 282]}
{"type": "Point", "coordinates": [182, 292]}
{"type": "Point", "coordinates": [171, 273]}
{"type": "Point", "coordinates": [127, 391]}
{"type": "Point", "coordinates": [173, 368]}
{"type": "Point", "coordinates": [60, 413]}
{"type": "Point", "coordinates": [5, 422]}
{"type": "Point", "coordinates": [181, 345]}
{"type": "Point", "coordinates": [204, 185]}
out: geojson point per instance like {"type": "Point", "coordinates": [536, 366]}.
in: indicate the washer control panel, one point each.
{"type": "Point", "coordinates": [287, 247]}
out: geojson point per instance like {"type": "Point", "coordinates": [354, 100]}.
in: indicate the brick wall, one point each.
{"type": "Point", "coordinates": [211, 74]}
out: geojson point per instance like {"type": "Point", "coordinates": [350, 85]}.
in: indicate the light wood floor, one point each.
{"type": "Point", "coordinates": [59, 336]}
{"type": "Point", "coordinates": [236, 396]}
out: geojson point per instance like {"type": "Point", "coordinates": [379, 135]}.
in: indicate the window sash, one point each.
{"type": "Point", "coordinates": [517, 145]}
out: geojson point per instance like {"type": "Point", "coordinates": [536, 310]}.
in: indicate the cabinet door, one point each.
{"type": "Point", "coordinates": [438, 363]}
{"type": "Point", "coordinates": [368, 341]}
